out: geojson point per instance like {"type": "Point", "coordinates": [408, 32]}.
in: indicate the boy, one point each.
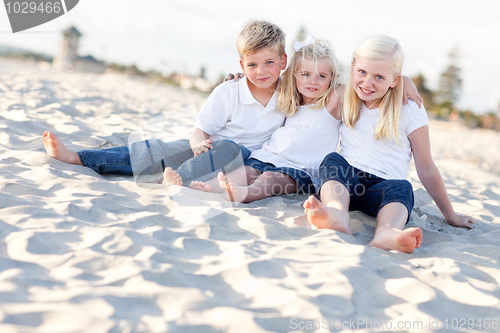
{"type": "Point", "coordinates": [237, 118]}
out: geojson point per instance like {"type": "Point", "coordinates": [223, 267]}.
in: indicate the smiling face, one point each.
{"type": "Point", "coordinates": [312, 78]}
{"type": "Point", "coordinates": [263, 68]}
{"type": "Point", "coordinates": [371, 79]}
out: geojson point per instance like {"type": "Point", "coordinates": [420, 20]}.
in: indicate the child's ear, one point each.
{"type": "Point", "coordinates": [395, 82]}
{"type": "Point", "coordinates": [284, 60]}
{"type": "Point", "coordinates": [242, 66]}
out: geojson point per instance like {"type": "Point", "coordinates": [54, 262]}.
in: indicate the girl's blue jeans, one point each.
{"type": "Point", "coordinates": [368, 193]}
{"type": "Point", "coordinates": [146, 160]}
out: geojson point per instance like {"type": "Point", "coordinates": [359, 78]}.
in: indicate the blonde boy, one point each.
{"type": "Point", "coordinates": [237, 118]}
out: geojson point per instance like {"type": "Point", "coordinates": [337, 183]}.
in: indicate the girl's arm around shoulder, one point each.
{"type": "Point", "coordinates": [431, 178]}
{"type": "Point", "coordinates": [334, 105]}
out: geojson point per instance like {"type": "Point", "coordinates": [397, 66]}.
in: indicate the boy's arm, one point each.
{"type": "Point", "coordinates": [431, 178]}
{"type": "Point", "coordinates": [200, 141]}
{"type": "Point", "coordinates": [410, 90]}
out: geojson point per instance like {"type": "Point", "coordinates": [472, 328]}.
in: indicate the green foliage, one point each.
{"type": "Point", "coordinates": [446, 109]}
{"type": "Point", "coordinates": [24, 55]}
{"type": "Point", "coordinates": [443, 109]}
{"type": "Point", "coordinates": [425, 92]}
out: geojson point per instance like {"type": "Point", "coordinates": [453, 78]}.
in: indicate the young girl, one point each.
{"type": "Point", "coordinates": [379, 135]}
{"type": "Point", "coordinates": [309, 96]}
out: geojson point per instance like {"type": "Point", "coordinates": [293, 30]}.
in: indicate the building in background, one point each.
{"type": "Point", "coordinates": [67, 59]}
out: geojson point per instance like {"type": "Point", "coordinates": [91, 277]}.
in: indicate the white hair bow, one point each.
{"type": "Point", "coordinates": [308, 41]}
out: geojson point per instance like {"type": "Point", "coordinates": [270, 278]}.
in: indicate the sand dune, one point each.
{"type": "Point", "coordinates": [81, 252]}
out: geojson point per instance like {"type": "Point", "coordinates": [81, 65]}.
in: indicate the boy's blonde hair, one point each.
{"type": "Point", "coordinates": [289, 98]}
{"type": "Point", "coordinates": [258, 35]}
{"type": "Point", "coordinates": [378, 47]}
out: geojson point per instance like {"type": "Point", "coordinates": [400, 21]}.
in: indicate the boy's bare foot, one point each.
{"type": "Point", "coordinates": [234, 192]}
{"type": "Point", "coordinates": [55, 148]}
{"type": "Point", "coordinates": [406, 240]}
{"type": "Point", "coordinates": [200, 186]}
{"type": "Point", "coordinates": [171, 177]}
{"type": "Point", "coordinates": [325, 217]}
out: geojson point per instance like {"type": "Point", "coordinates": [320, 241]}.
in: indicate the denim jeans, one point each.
{"type": "Point", "coordinates": [146, 160]}
{"type": "Point", "coordinates": [368, 193]}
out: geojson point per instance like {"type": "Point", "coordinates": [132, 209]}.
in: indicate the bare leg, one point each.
{"type": "Point", "coordinates": [55, 148]}
{"type": "Point", "coordinates": [266, 185]}
{"type": "Point", "coordinates": [332, 212]}
{"type": "Point", "coordinates": [388, 234]}
{"type": "Point", "coordinates": [171, 177]}
{"type": "Point", "coordinates": [241, 176]}
{"type": "Point", "coordinates": [234, 192]}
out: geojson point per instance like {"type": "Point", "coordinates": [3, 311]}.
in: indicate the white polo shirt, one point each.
{"type": "Point", "coordinates": [383, 158]}
{"type": "Point", "coordinates": [231, 112]}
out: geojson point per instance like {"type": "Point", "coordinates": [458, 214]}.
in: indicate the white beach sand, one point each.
{"type": "Point", "coordinates": [81, 252]}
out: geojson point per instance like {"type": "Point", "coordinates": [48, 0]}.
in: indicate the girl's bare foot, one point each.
{"type": "Point", "coordinates": [55, 148]}
{"type": "Point", "coordinates": [405, 240]}
{"type": "Point", "coordinates": [171, 177]}
{"type": "Point", "coordinates": [325, 217]}
{"type": "Point", "coordinates": [200, 186]}
{"type": "Point", "coordinates": [234, 192]}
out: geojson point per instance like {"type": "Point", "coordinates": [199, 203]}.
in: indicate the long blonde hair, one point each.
{"type": "Point", "coordinates": [289, 98]}
{"type": "Point", "coordinates": [378, 47]}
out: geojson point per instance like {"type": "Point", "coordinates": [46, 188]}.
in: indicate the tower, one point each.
{"type": "Point", "coordinates": [66, 57]}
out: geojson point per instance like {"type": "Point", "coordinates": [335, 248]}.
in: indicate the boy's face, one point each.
{"type": "Point", "coordinates": [263, 68]}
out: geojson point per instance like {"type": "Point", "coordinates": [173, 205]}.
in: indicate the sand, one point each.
{"type": "Point", "coordinates": [81, 252]}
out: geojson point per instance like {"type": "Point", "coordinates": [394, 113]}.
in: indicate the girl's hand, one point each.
{"type": "Point", "coordinates": [202, 147]}
{"type": "Point", "coordinates": [234, 77]}
{"type": "Point", "coordinates": [461, 221]}
{"type": "Point", "coordinates": [410, 91]}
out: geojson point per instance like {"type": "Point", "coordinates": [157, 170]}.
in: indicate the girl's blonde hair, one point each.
{"type": "Point", "coordinates": [378, 47]}
{"type": "Point", "coordinates": [289, 98]}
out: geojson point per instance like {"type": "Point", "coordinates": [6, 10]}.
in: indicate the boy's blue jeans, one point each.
{"type": "Point", "coordinates": [146, 160]}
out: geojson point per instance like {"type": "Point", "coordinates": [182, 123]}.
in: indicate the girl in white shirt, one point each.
{"type": "Point", "coordinates": [379, 134]}
{"type": "Point", "coordinates": [288, 162]}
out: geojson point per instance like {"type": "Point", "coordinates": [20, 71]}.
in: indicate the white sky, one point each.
{"type": "Point", "coordinates": [183, 36]}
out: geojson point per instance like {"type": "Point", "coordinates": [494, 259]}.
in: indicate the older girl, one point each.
{"type": "Point", "coordinates": [379, 135]}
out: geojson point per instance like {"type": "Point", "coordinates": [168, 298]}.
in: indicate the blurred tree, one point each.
{"type": "Point", "coordinates": [133, 70]}
{"type": "Point", "coordinates": [470, 119]}
{"type": "Point", "coordinates": [488, 121]}
{"type": "Point", "coordinates": [425, 92]}
{"type": "Point", "coordinates": [301, 35]}
{"type": "Point", "coordinates": [450, 82]}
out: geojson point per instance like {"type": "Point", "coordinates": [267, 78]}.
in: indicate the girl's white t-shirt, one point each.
{"type": "Point", "coordinates": [383, 158]}
{"type": "Point", "coordinates": [307, 137]}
